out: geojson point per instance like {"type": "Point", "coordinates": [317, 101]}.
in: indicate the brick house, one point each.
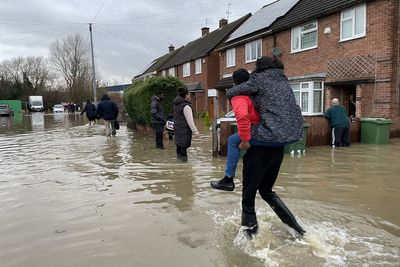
{"type": "Point", "coordinates": [152, 69]}
{"type": "Point", "coordinates": [197, 64]}
{"type": "Point", "coordinates": [330, 48]}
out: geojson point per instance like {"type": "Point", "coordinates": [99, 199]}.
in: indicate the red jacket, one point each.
{"type": "Point", "coordinates": [245, 114]}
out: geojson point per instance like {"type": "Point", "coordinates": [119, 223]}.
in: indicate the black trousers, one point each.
{"type": "Point", "coordinates": [159, 130]}
{"type": "Point", "coordinates": [341, 136]}
{"type": "Point", "coordinates": [261, 166]}
{"type": "Point", "coordinates": [181, 151]}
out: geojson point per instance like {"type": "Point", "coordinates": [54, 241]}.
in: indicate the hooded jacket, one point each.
{"type": "Point", "coordinates": [156, 111]}
{"type": "Point", "coordinates": [107, 109]}
{"type": "Point", "coordinates": [182, 131]}
{"type": "Point", "coordinates": [281, 121]}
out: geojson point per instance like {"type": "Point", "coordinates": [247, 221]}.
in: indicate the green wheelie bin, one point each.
{"type": "Point", "coordinates": [375, 130]}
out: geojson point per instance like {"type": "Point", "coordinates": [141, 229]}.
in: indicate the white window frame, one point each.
{"type": "Point", "coordinates": [163, 73]}
{"type": "Point", "coordinates": [353, 24]}
{"type": "Point", "coordinates": [171, 72]}
{"type": "Point", "coordinates": [186, 69]}
{"type": "Point", "coordinates": [310, 90]}
{"type": "Point", "coordinates": [197, 66]}
{"type": "Point", "coordinates": [301, 33]}
{"type": "Point", "coordinates": [248, 51]}
{"type": "Point", "coordinates": [230, 57]}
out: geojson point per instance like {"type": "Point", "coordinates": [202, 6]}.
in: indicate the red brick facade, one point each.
{"type": "Point", "coordinates": [376, 95]}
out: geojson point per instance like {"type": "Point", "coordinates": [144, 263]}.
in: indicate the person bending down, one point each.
{"type": "Point", "coordinates": [244, 110]}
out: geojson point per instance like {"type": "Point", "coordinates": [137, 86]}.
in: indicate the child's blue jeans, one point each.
{"type": "Point", "coordinates": [233, 155]}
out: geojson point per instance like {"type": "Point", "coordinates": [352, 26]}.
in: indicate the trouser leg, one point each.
{"type": "Point", "coordinates": [346, 136]}
{"type": "Point", "coordinates": [232, 155]}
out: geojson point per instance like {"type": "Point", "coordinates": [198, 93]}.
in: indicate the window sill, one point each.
{"type": "Point", "coordinates": [312, 114]}
{"type": "Point", "coordinates": [227, 67]}
{"type": "Point", "coordinates": [352, 38]}
{"type": "Point", "coordinates": [302, 50]}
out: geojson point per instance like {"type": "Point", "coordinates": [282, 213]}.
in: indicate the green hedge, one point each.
{"type": "Point", "coordinates": [137, 97]}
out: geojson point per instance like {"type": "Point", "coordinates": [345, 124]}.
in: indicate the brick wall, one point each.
{"type": "Point", "coordinates": [379, 98]}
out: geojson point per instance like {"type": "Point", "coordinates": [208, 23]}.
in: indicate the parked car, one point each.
{"type": "Point", "coordinates": [58, 108]}
{"type": "Point", "coordinates": [6, 110]}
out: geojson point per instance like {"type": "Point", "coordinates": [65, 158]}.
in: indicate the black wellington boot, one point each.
{"type": "Point", "coordinates": [225, 184]}
{"type": "Point", "coordinates": [250, 221]}
{"type": "Point", "coordinates": [283, 212]}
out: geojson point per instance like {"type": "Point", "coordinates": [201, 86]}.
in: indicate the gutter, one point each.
{"type": "Point", "coordinates": [244, 40]}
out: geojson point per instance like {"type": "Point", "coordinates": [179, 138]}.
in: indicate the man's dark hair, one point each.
{"type": "Point", "coordinates": [182, 91]}
{"type": "Point", "coordinates": [264, 63]}
{"type": "Point", "coordinates": [159, 93]}
{"type": "Point", "coordinates": [240, 76]}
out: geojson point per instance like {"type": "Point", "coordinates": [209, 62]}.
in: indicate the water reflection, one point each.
{"type": "Point", "coordinates": [71, 191]}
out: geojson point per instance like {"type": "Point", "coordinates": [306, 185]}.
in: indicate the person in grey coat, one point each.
{"type": "Point", "coordinates": [281, 123]}
{"type": "Point", "coordinates": [157, 118]}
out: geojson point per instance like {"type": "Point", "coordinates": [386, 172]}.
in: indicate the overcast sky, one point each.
{"type": "Point", "coordinates": [127, 34]}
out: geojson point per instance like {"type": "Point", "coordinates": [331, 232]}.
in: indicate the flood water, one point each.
{"type": "Point", "coordinates": [71, 197]}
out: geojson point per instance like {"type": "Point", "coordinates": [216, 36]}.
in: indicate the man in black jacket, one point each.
{"type": "Point", "coordinates": [90, 110]}
{"type": "Point", "coordinates": [108, 111]}
{"type": "Point", "coordinates": [157, 118]}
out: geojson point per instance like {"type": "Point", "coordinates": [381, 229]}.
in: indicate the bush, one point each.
{"type": "Point", "coordinates": [137, 97]}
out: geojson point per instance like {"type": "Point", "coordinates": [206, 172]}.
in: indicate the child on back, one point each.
{"type": "Point", "coordinates": [244, 112]}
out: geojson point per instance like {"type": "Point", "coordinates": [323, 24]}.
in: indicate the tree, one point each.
{"type": "Point", "coordinates": [71, 58]}
{"type": "Point", "coordinates": [25, 76]}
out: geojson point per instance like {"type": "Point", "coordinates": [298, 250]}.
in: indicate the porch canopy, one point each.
{"type": "Point", "coordinates": [195, 87]}
{"type": "Point", "coordinates": [224, 83]}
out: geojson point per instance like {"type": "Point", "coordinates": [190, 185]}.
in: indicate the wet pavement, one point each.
{"type": "Point", "coordinates": [71, 197]}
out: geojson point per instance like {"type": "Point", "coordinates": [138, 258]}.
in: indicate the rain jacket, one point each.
{"type": "Point", "coordinates": [281, 121]}
{"type": "Point", "coordinates": [107, 109]}
{"type": "Point", "coordinates": [156, 111]}
{"type": "Point", "coordinates": [245, 114]}
{"type": "Point", "coordinates": [337, 116]}
{"type": "Point", "coordinates": [90, 110]}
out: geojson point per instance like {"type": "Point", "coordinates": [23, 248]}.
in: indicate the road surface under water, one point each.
{"type": "Point", "coordinates": [69, 196]}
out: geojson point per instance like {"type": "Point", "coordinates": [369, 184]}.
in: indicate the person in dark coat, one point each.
{"type": "Point", "coordinates": [90, 110]}
{"type": "Point", "coordinates": [184, 125]}
{"type": "Point", "coordinates": [108, 111]}
{"type": "Point", "coordinates": [157, 118]}
{"type": "Point", "coordinates": [281, 123]}
{"type": "Point", "coordinates": [339, 122]}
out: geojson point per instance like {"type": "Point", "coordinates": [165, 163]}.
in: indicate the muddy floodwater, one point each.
{"type": "Point", "coordinates": [71, 197]}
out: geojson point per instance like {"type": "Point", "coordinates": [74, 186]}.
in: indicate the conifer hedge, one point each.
{"type": "Point", "coordinates": [137, 97]}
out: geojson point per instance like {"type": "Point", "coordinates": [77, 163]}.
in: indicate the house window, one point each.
{"type": "Point", "coordinates": [305, 37]}
{"type": "Point", "coordinates": [252, 51]}
{"type": "Point", "coordinates": [163, 73]}
{"type": "Point", "coordinates": [186, 69]}
{"type": "Point", "coordinates": [353, 23]}
{"type": "Point", "coordinates": [309, 96]}
{"type": "Point", "coordinates": [230, 57]}
{"type": "Point", "coordinates": [171, 72]}
{"type": "Point", "coordinates": [197, 66]}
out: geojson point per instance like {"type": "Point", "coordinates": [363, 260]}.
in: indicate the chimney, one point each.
{"type": "Point", "coordinates": [204, 31]}
{"type": "Point", "coordinates": [171, 48]}
{"type": "Point", "coordinates": [222, 22]}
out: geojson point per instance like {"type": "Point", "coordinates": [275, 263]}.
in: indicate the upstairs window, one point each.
{"type": "Point", "coordinates": [305, 37]}
{"type": "Point", "coordinates": [353, 23]}
{"type": "Point", "coordinates": [309, 96]}
{"type": "Point", "coordinates": [186, 69]}
{"type": "Point", "coordinates": [163, 73]}
{"type": "Point", "coordinates": [252, 51]}
{"type": "Point", "coordinates": [230, 57]}
{"type": "Point", "coordinates": [171, 72]}
{"type": "Point", "coordinates": [197, 66]}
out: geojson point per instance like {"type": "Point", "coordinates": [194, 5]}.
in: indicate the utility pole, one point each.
{"type": "Point", "coordinates": [93, 70]}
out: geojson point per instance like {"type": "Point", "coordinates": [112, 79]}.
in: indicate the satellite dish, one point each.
{"type": "Point", "coordinates": [276, 51]}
